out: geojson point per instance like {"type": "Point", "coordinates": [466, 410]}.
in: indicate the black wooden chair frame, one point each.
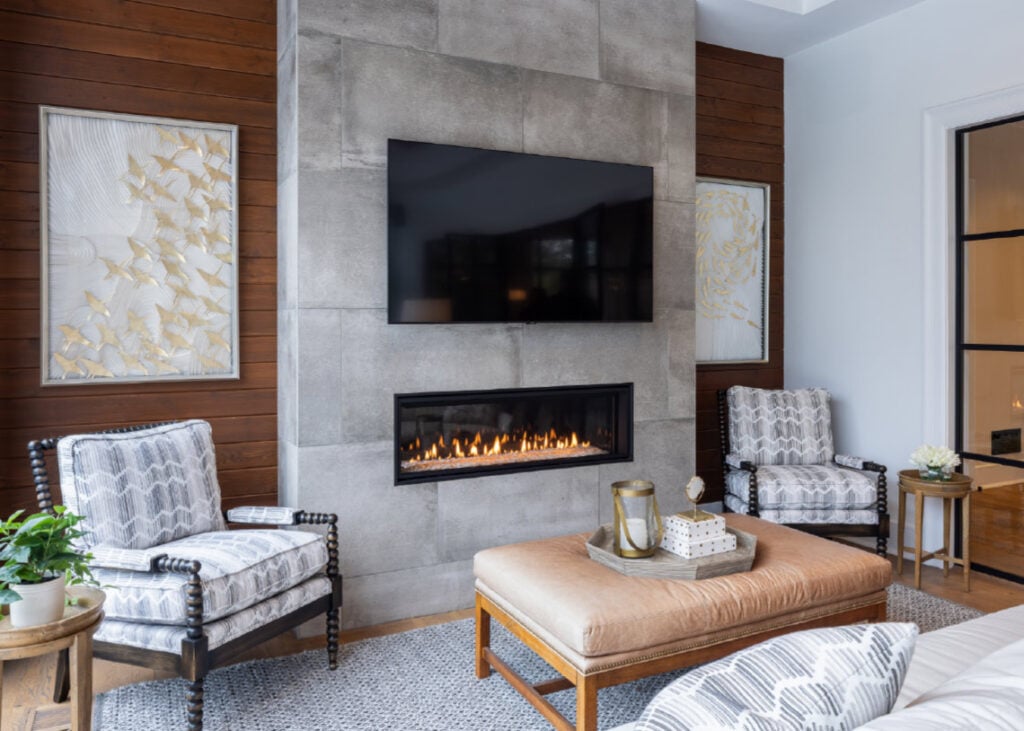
{"type": "Point", "coordinates": [879, 530]}
{"type": "Point", "coordinates": [196, 658]}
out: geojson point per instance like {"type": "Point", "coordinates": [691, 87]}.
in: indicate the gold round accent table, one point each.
{"type": "Point", "coordinates": [74, 633]}
{"type": "Point", "coordinates": [958, 487]}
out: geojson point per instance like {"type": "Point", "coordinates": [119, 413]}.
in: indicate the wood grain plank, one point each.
{"type": "Point", "coordinates": [154, 19]}
{"type": "Point", "coordinates": [722, 147]}
{"type": "Point", "coordinates": [710, 106]}
{"type": "Point", "coordinates": [743, 93]}
{"type": "Point", "coordinates": [739, 131]}
{"type": "Point", "coordinates": [39, 89]}
{"type": "Point", "coordinates": [102, 67]}
{"type": "Point", "coordinates": [738, 137]}
{"type": "Point", "coordinates": [708, 51]}
{"type": "Point", "coordinates": [21, 177]}
{"type": "Point", "coordinates": [261, 12]}
{"type": "Point", "coordinates": [24, 383]}
{"type": "Point", "coordinates": [143, 406]}
{"type": "Point", "coordinates": [135, 44]}
{"type": "Point", "coordinates": [23, 117]}
{"type": "Point", "coordinates": [740, 73]}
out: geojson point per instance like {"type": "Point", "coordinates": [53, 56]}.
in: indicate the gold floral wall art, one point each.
{"type": "Point", "coordinates": [732, 271]}
{"type": "Point", "coordinates": [139, 248]}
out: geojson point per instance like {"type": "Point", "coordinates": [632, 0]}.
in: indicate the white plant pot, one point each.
{"type": "Point", "coordinates": [39, 604]}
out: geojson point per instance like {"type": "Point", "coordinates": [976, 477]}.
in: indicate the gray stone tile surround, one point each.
{"type": "Point", "coordinates": [595, 79]}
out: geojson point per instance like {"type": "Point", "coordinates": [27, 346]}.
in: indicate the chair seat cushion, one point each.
{"type": "Point", "coordinates": [815, 516]}
{"type": "Point", "coordinates": [807, 487]}
{"type": "Point", "coordinates": [167, 638]}
{"type": "Point", "coordinates": [240, 568]}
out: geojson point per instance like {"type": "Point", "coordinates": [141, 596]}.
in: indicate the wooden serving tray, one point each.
{"type": "Point", "coordinates": [666, 565]}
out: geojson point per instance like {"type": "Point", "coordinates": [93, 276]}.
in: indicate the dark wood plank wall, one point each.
{"type": "Point", "coordinates": [740, 136]}
{"type": "Point", "coordinates": [189, 59]}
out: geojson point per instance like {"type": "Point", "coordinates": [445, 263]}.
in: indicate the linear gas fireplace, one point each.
{"type": "Point", "coordinates": [444, 436]}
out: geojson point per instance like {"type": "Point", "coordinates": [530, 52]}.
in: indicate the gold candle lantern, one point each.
{"type": "Point", "coordinates": [637, 523]}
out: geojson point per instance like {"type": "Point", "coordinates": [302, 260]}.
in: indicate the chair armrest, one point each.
{"type": "Point", "coordinates": [845, 460]}
{"type": "Point", "coordinates": [858, 463]}
{"type": "Point", "coordinates": [127, 559]}
{"type": "Point", "coordinates": [734, 461]}
{"type": "Point", "coordinates": [264, 515]}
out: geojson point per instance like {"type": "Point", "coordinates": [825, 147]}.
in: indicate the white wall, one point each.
{"type": "Point", "coordinates": [859, 246]}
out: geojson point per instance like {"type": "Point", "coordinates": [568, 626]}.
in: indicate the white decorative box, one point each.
{"type": "Point", "coordinates": [691, 530]}
{"type": "Point", "coordinates": [695, 539]}
{"type": "Point", "coordinates": [700, 547]}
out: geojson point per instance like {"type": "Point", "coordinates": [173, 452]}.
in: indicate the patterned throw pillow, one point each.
{"type": "Point", "coordinates": [142, 488]}
{"type": "Point", "coordinates": [836, 678]}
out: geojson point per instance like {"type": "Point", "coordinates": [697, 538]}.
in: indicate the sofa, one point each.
{"type": "Point", "coordinates": [965, 676]}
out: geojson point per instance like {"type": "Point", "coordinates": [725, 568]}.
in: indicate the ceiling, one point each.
{"type": "Point", "coordinates": [784, 27]}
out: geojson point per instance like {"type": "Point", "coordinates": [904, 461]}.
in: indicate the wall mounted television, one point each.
{"type": "Point", "coordinates": [487, 236]}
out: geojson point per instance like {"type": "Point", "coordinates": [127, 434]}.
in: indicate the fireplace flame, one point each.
{"type": "Point", "coordinates": [477, 446]}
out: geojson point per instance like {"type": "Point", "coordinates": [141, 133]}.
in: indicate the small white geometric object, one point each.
{"type": "Point", "coordinates": [694, 539]}
{"type": "Point", "coordinates": [688, 529]}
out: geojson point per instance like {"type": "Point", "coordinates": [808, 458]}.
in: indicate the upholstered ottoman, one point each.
{"type": "Point", "coordinates": [599, 628]}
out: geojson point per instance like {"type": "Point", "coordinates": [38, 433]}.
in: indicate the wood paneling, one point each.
{"type": "Point", "coordinates": [202, 61]}
{"type": "Point", "coordinates": [740, 136]}
{"type": "Point", "coordinates": [997, 524]}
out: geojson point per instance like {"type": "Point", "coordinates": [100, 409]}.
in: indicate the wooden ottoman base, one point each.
{"type": "Point", "coordinates": [588, 675]}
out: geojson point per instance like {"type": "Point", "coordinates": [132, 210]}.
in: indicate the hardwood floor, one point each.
{"type": "Point", "coordinates": [27, 684]}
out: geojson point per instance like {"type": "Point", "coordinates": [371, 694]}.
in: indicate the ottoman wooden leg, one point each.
{"type": "Point", "coordinates": [483, 640]}
{"type": "Point", "coordinates": [586, 704]}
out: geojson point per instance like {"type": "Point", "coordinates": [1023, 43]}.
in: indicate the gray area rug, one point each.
{"type": "Point", "coordinates": [420, 680]}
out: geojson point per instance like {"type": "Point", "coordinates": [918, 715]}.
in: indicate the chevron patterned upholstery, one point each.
{"type": "Point", "coordinates": [780, 427]}
{"type": "Point", "coordinates": [780, 464]}
{"type": "Point", "coordinates": [240, 568]}
{"type": "Point", "coordinates": [815, 516]}
{"type": "Point", "coordinates": [142, 488]}
{"type": "Point", "coordinates": [808, 487]}
{"type": "Point", "coordinates": [168, 637]}
{"type": "Point", "coordinates": [832, 678]}
{"type": "Point", "coordinates": [182, 591]}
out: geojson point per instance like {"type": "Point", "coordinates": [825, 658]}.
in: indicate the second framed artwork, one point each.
{"type": "Point", "coordinates": [139, 248]}
{"type": "Point", "coordinates": [732, 271]}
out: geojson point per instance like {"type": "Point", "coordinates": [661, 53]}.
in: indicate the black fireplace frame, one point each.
{"type": "Point", "coordinates": [623, 423]}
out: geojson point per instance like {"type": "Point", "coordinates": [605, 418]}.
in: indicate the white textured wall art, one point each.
{"type": "Point", "coordinates": [139, 248]}
{"type": "Point", "coordinates": [732, 271]}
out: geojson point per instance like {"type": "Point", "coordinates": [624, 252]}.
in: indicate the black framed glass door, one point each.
{"type": "Point", "coordinates": [989, 408]}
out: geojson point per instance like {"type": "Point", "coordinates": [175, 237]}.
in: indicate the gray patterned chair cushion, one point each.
{"type": "Point", "coordinates": [239, 569]}
{"type": "Point", "coordinates": [167, 638]}
{"type": "Point", "coordinates": [142, 488]}
{"type": "Point", "coordinates": [780, 427]}
{"type": "Point", "coordinates": [835, 678]}
{"type": "Point", "coordinates": [799, 487]}
{"type": "Point", "coordinates": [818, 516]}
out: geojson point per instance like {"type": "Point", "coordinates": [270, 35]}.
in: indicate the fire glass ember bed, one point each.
{"type": "Point", "coordinates": [444, 436]}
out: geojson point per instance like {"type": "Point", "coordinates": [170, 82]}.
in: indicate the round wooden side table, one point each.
{"type": "Point", "coordinates": [74, 633]}
{"type": "Point", "coordinates": [958, 487]}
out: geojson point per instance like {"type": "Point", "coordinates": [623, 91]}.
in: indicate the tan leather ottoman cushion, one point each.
{"type": "Point", "coordinates": [596, 611]}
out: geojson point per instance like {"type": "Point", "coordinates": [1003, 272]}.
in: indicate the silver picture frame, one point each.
{"type": "Point", "coordinates": [139, 248]}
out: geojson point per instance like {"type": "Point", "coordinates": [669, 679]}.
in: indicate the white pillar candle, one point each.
{"type": "Point", "coordinates": [637, 531]}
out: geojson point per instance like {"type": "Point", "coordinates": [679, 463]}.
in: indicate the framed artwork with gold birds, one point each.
{"type": "Point", "coordinates": [732, 271]}
{"type": "Point", "coordinates": [139, 248]}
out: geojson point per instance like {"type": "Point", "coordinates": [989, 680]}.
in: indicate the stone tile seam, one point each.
{"type": "Point", "coordinates": [314, 33]}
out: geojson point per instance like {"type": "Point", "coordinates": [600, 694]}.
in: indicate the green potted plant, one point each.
{"type": "Point", "coordinates": [38, 561]}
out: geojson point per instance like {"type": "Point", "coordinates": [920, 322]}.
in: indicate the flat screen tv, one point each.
{"type": "Point", "coordinates": [486, 236]}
